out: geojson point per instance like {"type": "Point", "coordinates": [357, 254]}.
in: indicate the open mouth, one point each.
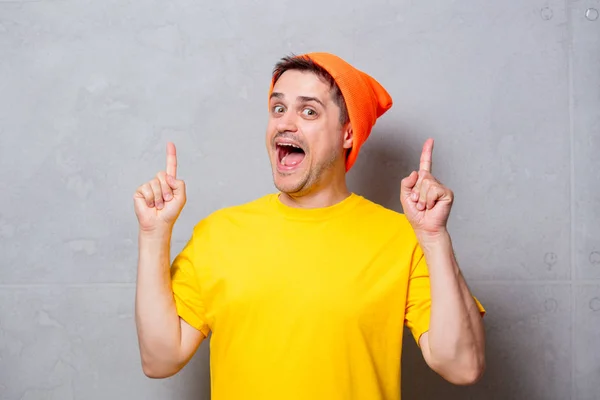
{"type": "Point", "coordinates": [290, 155]}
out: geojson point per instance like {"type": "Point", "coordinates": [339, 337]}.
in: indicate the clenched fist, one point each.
{"type": "Point", "coordinates": [159, 202]}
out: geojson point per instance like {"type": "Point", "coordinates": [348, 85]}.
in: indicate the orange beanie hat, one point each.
{"type": "Point", "coordinates": [366, 100]}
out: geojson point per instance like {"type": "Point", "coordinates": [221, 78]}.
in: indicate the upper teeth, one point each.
{"type": "Point", "coordinates": [289, 144]}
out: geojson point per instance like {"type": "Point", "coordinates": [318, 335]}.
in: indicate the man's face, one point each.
{"type": "Point", "coordinates": [305, 139]}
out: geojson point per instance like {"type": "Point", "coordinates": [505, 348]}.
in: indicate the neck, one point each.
{"type": "Point", "coordinates": [327, 196]}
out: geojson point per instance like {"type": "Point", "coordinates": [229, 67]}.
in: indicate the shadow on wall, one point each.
{"type": "Point", "coordinates": [385, 159]}
{"type": "Point", "coordinates": [193, 382]}
{"type": "Point", "coordinates": [382, 164]}
{"type": "Point", "coordinates": [500, 381]}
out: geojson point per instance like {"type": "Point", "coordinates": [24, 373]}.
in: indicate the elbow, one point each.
{"type": "Point", "coordinates": [467, 376]}
{"type": "Point", "coordinates": [463, 371]}
{"type": "Point", "coordinates": [158, 370]}
{"type": "Point", "coordinates": [154, 373]}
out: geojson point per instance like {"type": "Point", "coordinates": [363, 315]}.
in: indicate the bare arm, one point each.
{"type": "Point", "coordinates": [454, 347]}
{"type": "Point", "coordinates": [166, 341]}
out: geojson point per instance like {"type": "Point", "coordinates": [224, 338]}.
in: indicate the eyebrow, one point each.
{"type": "Point", "coordinates": [303, 99]}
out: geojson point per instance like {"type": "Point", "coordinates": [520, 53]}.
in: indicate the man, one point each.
{"type": "Point", "coordinates": [306, 291]}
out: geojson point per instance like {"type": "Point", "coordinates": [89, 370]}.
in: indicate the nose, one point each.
{"type": "Point", "coordinates": [287, 122]}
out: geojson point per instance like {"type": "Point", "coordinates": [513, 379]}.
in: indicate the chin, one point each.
{"type": "Point", "coordinates": [289, 183]}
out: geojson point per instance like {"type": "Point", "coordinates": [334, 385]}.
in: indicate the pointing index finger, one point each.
{"type": "Point", "coordinates": [171, 160]}
{"type": "Point", "coordinates": [426, 156]}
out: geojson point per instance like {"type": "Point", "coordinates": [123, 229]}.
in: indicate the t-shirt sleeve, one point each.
{"type": "Point", "coordinates": [185, 284]}
{"type": "Point", "coordinates": [418, 302]}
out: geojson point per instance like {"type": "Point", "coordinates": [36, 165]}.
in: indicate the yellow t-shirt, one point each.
{"type": "Point", "coordinates": [304, 303]}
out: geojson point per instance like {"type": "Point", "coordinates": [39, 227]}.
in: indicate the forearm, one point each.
{"type": "Point", "coordinates": [456, 336]}
{"type": "Point", "coordinates": [158, 325]}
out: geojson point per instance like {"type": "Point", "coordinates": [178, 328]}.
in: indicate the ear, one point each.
{"type": "Point", "coordinates": [348, 136]}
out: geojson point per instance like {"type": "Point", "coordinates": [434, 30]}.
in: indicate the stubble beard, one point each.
{"type": "Point", "coordinates": [311, 178]}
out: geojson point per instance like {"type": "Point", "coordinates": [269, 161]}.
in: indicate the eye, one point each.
{"type": "Point", "coordinates": [278, 109]}
{"type": "Point", "coordinates": [309, 112]}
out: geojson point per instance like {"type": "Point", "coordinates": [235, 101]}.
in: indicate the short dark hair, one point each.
{"type": "Point", "coordinates": [293, 62]}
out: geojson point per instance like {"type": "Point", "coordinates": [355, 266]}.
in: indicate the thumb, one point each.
{"type": "Point", "coordinates": [140, 201]}
{"type": "Point", "coordinates": [408, 184]}
{"type": "Point", "coordinates": [178, 186]}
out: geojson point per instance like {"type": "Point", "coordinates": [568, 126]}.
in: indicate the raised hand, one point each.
{"type": "Point", "coordinates": [159, 202]}
{"type": "Point", "coordinates": [426, 202]}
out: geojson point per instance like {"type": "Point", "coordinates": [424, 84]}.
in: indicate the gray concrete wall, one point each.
{"type": "Point", "coordinates": [91, 91]}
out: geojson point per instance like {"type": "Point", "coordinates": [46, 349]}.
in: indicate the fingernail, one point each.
{"type": "Point", "coordinates": [415, 196]}
{"type": "Point", "coordinates": [167, 196]}
{"type": "Point", "coordinates": [420, 206]}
